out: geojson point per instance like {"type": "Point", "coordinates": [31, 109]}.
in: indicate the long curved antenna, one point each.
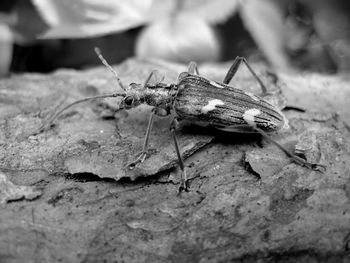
{"type": "Point", "coordinates": [54, 117]}
{"type": "Point", "coordinates": [104, 62]}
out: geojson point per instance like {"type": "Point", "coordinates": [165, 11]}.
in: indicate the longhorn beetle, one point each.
{"type": "Point", "coordinates": [199, 100]}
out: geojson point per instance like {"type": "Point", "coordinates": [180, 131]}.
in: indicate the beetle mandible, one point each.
{"type": "Point", "coordinates": [201, 101]}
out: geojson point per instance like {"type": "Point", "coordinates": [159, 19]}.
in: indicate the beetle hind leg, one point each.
{"type": "Point", "coordinates": [233, 70]}
{"type": "Point", "coordinates": [193, 68]}
{"type": "Point", "coordinates": [295, 158]}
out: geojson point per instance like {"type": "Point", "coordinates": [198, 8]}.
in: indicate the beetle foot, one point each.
{"type": "Point", "coordinates": [303, 162]}
{"type": "Point", "coordinates": [184, 186]}
{"type": "Point", "coordinates": [312, 166]}
{"type": "Point", "coordinates": [140, 158]}
{"type": "Point", "coordinates": [317, 167]}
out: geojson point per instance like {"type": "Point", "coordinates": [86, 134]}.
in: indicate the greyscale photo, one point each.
{"type": "Point", "coordinates": [174, 131]}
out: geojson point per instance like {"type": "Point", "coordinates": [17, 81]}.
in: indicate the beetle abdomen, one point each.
{"type": "Point", "coordinates": [225, 107]}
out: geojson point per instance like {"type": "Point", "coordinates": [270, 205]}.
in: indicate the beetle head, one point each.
{"type": "Point", "coordinates": [133, 97]}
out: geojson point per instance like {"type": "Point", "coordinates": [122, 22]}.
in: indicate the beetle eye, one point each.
{"type": "Point", "coordinates": [128, 100]}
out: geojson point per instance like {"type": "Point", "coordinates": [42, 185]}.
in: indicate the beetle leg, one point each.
{"type": "Point", "coordinates": [141, 156]}
{"type": "Point", "coordinates": [184, 182]}
{"type": "Point", "coordinates": [233, 69]}
{"type": "Point", "coordinates": [149, 78]}
{"type": "Point", "coordinates": [294, 157]}
{"type": "Point", "coordinates": [192, 68]}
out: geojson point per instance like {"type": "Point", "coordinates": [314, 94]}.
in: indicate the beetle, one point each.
{"type": "Point", "coordinates": [201, 101]}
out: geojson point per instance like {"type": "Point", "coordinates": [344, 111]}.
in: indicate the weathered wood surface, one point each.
{"type": "Point", "coordinates": [64, 196]}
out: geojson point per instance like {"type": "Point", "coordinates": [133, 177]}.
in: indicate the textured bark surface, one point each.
{"type": "Point", "coordinates": [66, 196]}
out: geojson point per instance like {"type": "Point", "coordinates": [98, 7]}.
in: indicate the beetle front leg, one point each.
{"type": "Point", "coordinates": [294, 157]}
{"type": "Point", "coordinates": [233, 69]}
{"type": "Point", "coordinates": [140, 157]}
{"type": "Point", "coordinates": [148, 80]}
{"type": "Point", "coordinates": [184, 181]}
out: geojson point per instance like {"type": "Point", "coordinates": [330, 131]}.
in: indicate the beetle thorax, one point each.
{"type": "Point", "coordinates": [160, 96]}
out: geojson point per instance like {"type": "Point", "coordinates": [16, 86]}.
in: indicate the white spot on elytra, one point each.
{"type": "Point", "coordinates": [249, 116]}
{"type": "Point", "coordinates": [211, 105]}
{"type": "Point", "coordinates": [213, 83]}
{"type": "Point", "coordinates": [251, 95]}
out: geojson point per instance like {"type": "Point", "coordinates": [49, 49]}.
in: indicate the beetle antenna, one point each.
{"type": "Point", "coordinates": [50, 120]}
{"type": "Point", "coordinates": [104, 62]}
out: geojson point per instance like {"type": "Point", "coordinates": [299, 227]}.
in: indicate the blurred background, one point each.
{"type": "Point", "coordinates": [289, 35]}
